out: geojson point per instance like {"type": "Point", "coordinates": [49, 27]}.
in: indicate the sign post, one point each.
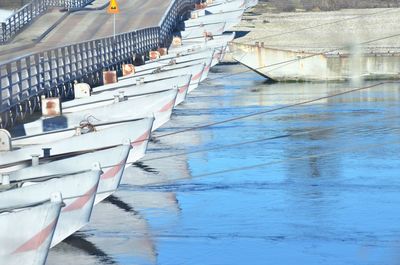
{"type": "Point", "coordinates": [113, 8]}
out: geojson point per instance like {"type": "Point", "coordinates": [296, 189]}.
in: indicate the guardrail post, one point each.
{"type": "Point", "coordinates": [55, 69]}
{"type": "Point", "coordinates": [10, 82]}
{"type": "Point", "coordinates": [3, 33]}
{"type": "Point", "coordinates": [40, 70]}
{"type": "Point", "coordinates": [99, 67]}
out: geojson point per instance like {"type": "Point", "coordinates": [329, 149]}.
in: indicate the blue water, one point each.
{"type": "Point", "coordinates": [326, 192]}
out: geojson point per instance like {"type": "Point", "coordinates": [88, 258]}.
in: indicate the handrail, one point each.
{"type": "Point", "coordinates": [26, 14]}
{"type": "Point", "coordinates": [171, 5]}
{"type": "Point", "coordinates": [53, 72]}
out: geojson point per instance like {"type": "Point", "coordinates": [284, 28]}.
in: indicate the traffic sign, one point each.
{"type": "Point", "coordinates": [113, 7]}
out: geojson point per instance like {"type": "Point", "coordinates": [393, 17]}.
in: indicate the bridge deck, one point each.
{"type": "Point", "coordinates": [86, 25]}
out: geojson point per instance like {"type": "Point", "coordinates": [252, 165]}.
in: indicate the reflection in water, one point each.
{"type": "Point", "coordinates": [156, 171]}
{"type": "Point", "coordinates": [337, 209]}
{"type": "Point", "coordinates": [121, 204]}
{"type": "Point", "coordinates": [77, 248]}
{"type": "Point", "coordinates": [122, 233]}
{"type": "Point", "coordinates": [299, 211]}
{"type": "Point", "coordinates": [117, 234]}
{"type": "Point", "coordinates": [150, 200]}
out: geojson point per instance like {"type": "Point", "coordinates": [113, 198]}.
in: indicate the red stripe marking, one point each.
{"type": "Point", "coordinates": [196, 77]}
{"type": "Point", "coordinates": [81, 201]}
{"type": "Point", "coordinates": [168, 106]}
{"type": "Point", "coordinates": [217, 55]}
{"type": "Point", "coordinates": [142, 139]}
{"type": "Point", "coordinates": [37, 240]}
{"type": "Point", "coordinates": [112, 172]}
{"type": "Point", "coordinates": [182, 89]}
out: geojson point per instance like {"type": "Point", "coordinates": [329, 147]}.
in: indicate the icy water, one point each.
{"type": "Point", "coordinates": [324, 190]}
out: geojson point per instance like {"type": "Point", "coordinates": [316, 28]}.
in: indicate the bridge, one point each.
{"type": "Point", "coordinates": [38, 59]}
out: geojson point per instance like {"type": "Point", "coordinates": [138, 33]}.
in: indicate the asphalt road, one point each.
{"type": "Point", "coordinates": [89, 24]}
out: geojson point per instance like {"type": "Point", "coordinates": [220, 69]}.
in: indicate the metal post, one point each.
{"type": "Point", "coordinates": [108, 54]}
{"type": "Point", "coordinates": [3, 32]}
{"type": "Point", "coordinates": [114, 27]}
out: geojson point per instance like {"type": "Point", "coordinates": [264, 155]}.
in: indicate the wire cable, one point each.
{"type": "Point", "coordinates": [277, 137]}
{"type": "Point", "coordinates": [256, 140]}
{"type": "Point", "coordinates": [276, 109]}
{"type": "Point", "coordinates": [255, 166]}
{"type": "Point", "coordinates": [290, 61]}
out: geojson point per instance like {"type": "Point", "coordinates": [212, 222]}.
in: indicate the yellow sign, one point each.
{"type": "Point", "coordinates": [113, 7]}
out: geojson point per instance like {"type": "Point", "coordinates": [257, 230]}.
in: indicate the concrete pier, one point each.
{"type": "Point", "coordinates": [322, 46]}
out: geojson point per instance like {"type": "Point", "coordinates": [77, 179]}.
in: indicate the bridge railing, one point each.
{"type": "Point", "coordinates": [53, 72]}
{"type": "Point", "coordinates": [172, 17]}
{"type": "Point", "coordinates": [2, 32]}
{"type": "Point", "coordinates": [25, 15]}
{"type": "Point", "coordinates": [73, 4]}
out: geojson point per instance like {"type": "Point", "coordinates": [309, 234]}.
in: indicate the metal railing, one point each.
{"type": "Point", "coordinates": [53, 72]}
{"type": "Point", "coordinates": [25, 15]}
{"type": "Point", "coordinates": [74, 4]}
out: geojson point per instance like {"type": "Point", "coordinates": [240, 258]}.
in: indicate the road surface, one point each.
{"type": "Point", "coordinates": [85, 25]}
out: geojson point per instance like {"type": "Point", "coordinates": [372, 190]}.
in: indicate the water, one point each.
{"type": "Point", "coordinates": [327, 193]}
